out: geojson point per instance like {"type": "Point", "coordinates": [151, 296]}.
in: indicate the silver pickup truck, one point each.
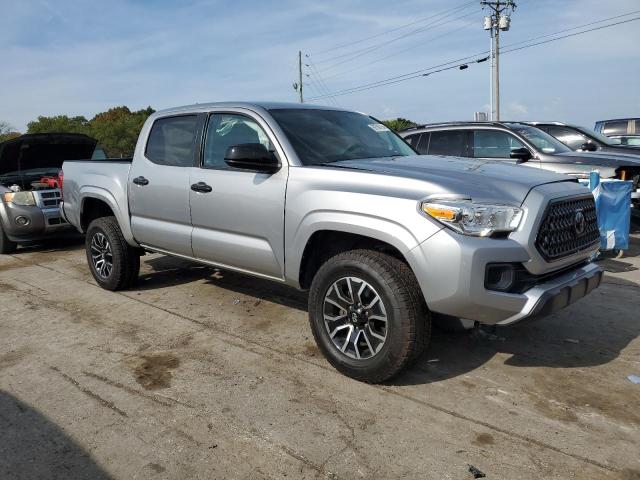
{"type": "Point", "coordinates": [333, 202]}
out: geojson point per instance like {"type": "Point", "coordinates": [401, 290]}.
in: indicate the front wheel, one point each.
{"type": "Point", "coordinates": [367, 314]}
{"type": "Point", "coordinates": [113, 262]}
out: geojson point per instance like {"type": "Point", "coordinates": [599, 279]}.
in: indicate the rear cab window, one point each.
{"type": "Point", "coordinates": [172, 141]}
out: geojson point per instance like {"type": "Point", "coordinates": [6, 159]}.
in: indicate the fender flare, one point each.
{"type": "Point", "coordinates": [377, 228]}
{"type": "Point", "coordinates": [107, 197]}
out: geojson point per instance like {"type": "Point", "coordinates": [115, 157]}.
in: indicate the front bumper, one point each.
{"type": "Point", "coordinates": [549, 297]}
{"type": "Point", "coordinates": [450, 269]}
{"type": "Point", "coordinates": [41, 222]}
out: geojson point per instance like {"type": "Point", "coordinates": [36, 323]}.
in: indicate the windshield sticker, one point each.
{"type": "Point", "coordinates": [378, 127]}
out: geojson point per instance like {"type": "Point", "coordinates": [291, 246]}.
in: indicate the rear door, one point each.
{"type": "Point", "coordinates": [239, 221]}
{"type": "Point", "coordinates": [159, 185]}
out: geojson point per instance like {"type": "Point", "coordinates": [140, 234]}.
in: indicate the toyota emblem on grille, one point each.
{"type": "Point", "coordinates": [579, 222]}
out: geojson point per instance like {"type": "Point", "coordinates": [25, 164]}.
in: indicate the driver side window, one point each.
{"type": "Point", "coordinates": [226, 130]}
{"type": "Point", "coordinates": [494, 144]}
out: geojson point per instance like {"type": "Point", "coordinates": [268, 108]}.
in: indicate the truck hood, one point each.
{"type": "Point", "coordinates": [601, 159]}
{"type": "Point", "coordinates": [481, 180]}
{"type": "Point", "coordinates": [37, 154]}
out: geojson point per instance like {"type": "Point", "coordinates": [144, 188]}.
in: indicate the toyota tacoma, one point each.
{"type": "Point", "coordinates": [333, 202]}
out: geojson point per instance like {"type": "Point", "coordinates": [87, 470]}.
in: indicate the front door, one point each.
{"type": "Point", "coordinates": [496, 145]}
{"type": "Point", "coordinates": [238, 215]}
{"type": "Point", "coordinates": [159, 185]}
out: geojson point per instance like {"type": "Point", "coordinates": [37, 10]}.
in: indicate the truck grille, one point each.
{"type": "Point", "coordinates": [48, 198]}
{"type": "Point", "coordinates": [568, 227]}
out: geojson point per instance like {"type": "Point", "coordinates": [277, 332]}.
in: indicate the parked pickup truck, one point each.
{"type": "Point", "coordinates": [334, 202]}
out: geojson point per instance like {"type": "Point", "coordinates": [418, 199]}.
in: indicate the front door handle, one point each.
{"type": "Point", "coordinates": [141, 181]}
{"type": "Point", "coordinates": [201, 187]}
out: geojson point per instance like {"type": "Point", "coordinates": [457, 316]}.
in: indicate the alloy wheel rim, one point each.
{"type": "Point", "coordinates": [355, 318]}
{"type": "Point", "coordinates": [101, 255]}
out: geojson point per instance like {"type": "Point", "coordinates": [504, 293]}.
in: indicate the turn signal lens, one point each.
{"type": "Point", "coordinates": [440, 212]}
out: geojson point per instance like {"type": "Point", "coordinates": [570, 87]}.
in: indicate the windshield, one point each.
{"type": "Point", "coordinates": [598, 136]}
{"type": "Point", "coordinates": [544, 142]}
{"type": "Point", "coordinates": [325, 136]}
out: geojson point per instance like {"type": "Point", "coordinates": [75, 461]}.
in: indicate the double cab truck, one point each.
{"type": "Point", "coordinates": [333, 202]}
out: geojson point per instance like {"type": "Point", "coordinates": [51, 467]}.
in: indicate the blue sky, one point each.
{"type": "Point", "coordinates": [80, 57]}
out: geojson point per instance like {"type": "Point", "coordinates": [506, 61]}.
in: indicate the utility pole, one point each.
{"type": "Point", "coordinates": [297, 86]}
{"type": "Point", "coordinates": [499, 20]}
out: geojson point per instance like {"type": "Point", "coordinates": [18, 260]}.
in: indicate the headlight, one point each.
{"type": "Point", "coordinates": [20, 198]}
{"type": "Point", "coordinates": [477, 219]}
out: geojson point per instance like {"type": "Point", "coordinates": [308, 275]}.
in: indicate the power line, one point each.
{"type": "Point", "coordinates": [420, 20]}
{"type": "Point", "coordinates": [350, 56]}
{"type": "Point", "coordinates": [430, 70]}
{"type": "Point", "coordinates": [570, 35]}
{"type": "Point", "coordinates": [321, 83]}
{"type": "Point", "coordinates": [398, 52]}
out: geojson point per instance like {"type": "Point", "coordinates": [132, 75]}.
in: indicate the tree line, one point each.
{"type": "Point", "coordinates": [116, 129]}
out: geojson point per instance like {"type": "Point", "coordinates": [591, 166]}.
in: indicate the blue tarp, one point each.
{"type": "Point", "coordinates": [613, 204]}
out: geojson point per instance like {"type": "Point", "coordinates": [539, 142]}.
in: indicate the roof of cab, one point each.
{"type": "Point", "coordinates": [199, 107]}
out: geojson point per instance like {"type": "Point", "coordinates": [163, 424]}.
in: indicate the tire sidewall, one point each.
{"type": "Point", "coordinates": [111, 282]}
{"type": "Point", "coordinates": [394, 346]}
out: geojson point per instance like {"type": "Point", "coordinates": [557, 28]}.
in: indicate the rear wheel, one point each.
{"type": "Point", "coordinates": [6, 245]}
{"type": "Point", "coordinates": [367, 314]}
{"type": "Point", "coordinates": [113, 262]}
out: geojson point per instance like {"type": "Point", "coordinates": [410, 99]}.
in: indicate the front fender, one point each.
{"type": "Point", "coordinates": [371, 226]}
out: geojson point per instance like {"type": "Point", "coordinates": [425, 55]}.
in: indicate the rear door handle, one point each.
{"type": "Point", "coordinates": [141, 181]}
{"type": "Point", "coordinates": [201, 187]}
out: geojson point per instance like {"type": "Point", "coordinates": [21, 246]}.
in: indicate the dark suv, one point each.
{"type": "Point", "coordinates": [583, 139]}
{"type": "Point", "coordinates": [519, 143]}
{"type": "Point", "coordinates": [627, 130]}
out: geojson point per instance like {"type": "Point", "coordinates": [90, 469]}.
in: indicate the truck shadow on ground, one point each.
{"type": "Point", "coordinates": [589, 333]}
{"type": "Point", "coordinates": [35, 447]}
{"type": "Point", "coordinates": [592, 332]}
{"type": "Point", "coordinates": [160, 272]}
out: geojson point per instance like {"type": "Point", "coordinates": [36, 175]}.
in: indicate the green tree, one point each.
{"type": "Point", "coordinates": [399, 124]}
{"type": "Point", "coordinates": [59, 124]}
{"type": "Point", "coordinates": [117, 129]}
{"type": "Point", "coordinates": [7, 132]}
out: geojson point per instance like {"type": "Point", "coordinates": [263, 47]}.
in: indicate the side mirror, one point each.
{"type": "Point", "coordinates": [252, 156]}
{"type": "Point", "coordinates": [589, 147]}
{"type": "Point", "coordinates": [521, 155]}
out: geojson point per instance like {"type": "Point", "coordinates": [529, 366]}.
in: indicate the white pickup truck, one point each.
{"type": "Point", "coordinates": [334, 202]}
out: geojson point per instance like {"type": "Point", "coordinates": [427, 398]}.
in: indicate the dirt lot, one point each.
{"type": "Point", "coordinates": [199, 373]}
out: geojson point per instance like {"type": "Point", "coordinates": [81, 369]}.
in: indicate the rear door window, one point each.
{"type": "Point", "coordinates": [615, 128]}
{"type": "Point", "coordinates": [494, 144]}
{"type": "Point", "coordinates": [451, 143]}
{"type": "Point", "coordinates": [172, 141]}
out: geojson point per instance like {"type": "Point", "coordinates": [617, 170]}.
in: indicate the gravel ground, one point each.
{"type": "Point", "coordinates": [201, 373]}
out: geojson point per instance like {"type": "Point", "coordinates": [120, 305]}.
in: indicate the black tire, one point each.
{"type": "Point", "coordinates": [6, 245]}
{"type": "Point", "coordinates": [125, 258]}
{"type": "Point", "coordinates": [408, 320]}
